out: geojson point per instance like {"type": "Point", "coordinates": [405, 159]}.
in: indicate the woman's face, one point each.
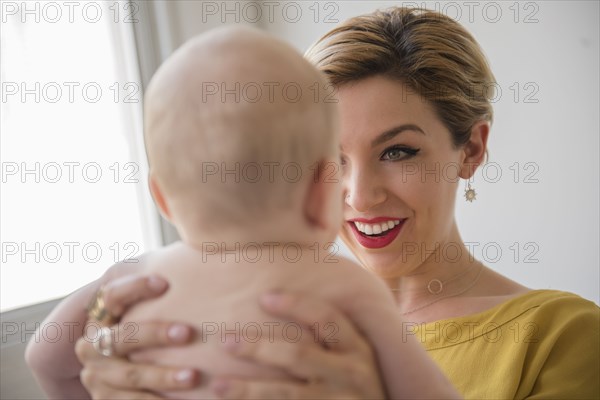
{"type": "Point", "coordinates": [400, 174]}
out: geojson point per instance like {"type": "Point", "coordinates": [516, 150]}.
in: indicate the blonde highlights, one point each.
{"type": "Point", "coordinates": [429, 52]}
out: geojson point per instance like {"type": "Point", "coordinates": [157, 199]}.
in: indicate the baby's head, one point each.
{"type": "Point", "coordinates": [237, 127]}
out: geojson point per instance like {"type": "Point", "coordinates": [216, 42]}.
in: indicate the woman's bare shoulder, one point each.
{"type": "Point", "coordinates": [492, 289]}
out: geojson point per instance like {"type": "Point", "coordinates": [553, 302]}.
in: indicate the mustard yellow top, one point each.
{"type": "Point", "coordinates": [544, 344]}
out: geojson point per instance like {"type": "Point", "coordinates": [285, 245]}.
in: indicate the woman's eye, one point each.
{"type": "Point", "coordinates": [398, 153]}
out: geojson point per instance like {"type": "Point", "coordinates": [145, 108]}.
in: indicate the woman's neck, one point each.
{"type": "Point", "coordinates": [436, 279]}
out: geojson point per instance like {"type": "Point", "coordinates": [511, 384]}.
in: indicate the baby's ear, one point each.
{"type": "Point", "coordinates": [158, 196]}
{"type": "Point", "coordinates": [475, 149]}
{"type": "Point", "coordinates": [317, 201]}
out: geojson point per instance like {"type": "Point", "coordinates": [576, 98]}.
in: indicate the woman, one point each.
{"type": "Point", "coordinates": [414, 92]}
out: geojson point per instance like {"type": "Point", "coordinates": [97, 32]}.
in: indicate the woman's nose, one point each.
{"type": "Point", "coordinates": [363, 191]}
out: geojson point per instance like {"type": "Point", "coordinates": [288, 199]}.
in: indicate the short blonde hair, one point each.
{"type": "Point", "coordinates": [428, 51]}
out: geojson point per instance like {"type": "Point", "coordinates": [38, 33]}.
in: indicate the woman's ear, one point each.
{"type": "Point", "coordinates": [474, 151]}
{"type": "Point", "coordinates": [158, 196]}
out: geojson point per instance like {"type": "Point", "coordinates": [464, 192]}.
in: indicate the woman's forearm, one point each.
{"type": "Point", "coordinates": [53, 363]}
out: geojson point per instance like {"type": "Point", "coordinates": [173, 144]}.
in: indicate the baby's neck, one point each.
{"type": "Point", "coordinates": [231, 241]}
{"type": "Point", "coordinates": [259, 252]}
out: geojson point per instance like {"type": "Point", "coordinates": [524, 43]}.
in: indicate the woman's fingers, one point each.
{"type": "Point", "coordinates": [121, 293]}
{"type": "Point", "coordinates": [109, 393]}
{"type": "Point", "coordinates": [335, 361]}
{"type": "Point", "coordinates": [119, 376]}
{"type": "Point", "coordinates": [132, 336]}
{"type": "Point", "coordinates": [230, 388]}
{"type": "Point", "coordinates": [113, 377]}
{"type": "Point", "coordinates": [307, 361]}
{"type": "Point", "coordinates": [301, 360]}
{"type": "Point", "coordinates": [123, 395]}
{"type": "Point", "coordinates": [330, 326]}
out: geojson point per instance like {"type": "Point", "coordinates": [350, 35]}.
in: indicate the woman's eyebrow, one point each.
{"type": "Point", "coordinates": [393, 132]}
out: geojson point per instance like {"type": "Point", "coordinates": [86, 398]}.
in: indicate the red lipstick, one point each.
{"type": "Point", "coordinates": [376, 242]}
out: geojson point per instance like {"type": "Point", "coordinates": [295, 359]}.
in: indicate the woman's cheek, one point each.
{"type": "Point", "coordinates": [421, 188]}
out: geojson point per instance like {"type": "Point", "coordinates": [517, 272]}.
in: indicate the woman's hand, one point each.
{"type": "Point", "coordinates": [116, 377]}
{"type": "Point", "coordinates": [340, 364]}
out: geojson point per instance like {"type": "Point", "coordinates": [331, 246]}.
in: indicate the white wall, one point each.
{"type": "Point", "coordinates": [547, 50]}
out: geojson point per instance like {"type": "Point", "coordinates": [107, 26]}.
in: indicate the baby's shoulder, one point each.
{"type": "Point", "coordinates": [172, 257]}
{"type": "Point", "coordinates": [348, 280]}
{"type": "Point", "coordinates": [342, 268]}
{"type": "Point", "coordinates": [141, 263]}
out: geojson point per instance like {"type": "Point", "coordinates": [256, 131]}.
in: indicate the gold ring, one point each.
{"type": "Point", "coordinates": [104, 344]}
{"type": "Point", "coordinates": [97, 309]}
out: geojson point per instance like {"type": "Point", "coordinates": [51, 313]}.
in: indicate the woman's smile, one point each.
{"type": "Point", "coordinates": [377, 232]}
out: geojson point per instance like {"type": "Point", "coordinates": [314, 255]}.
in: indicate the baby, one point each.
{"type": "Point", "coordinates": [243, 152]}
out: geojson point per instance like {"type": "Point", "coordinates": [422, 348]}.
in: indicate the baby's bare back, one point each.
{"type": "Point", "coordinates": [218, 294]}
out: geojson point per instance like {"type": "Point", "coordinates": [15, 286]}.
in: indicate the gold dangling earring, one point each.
{"type": "Point", "coordinates": [470, 194]}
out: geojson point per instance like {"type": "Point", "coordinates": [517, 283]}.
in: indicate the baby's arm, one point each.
{"type": "Point", "coordinates": [54, 364]}
{"type": "Point", "coordinates": [407, 370]}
